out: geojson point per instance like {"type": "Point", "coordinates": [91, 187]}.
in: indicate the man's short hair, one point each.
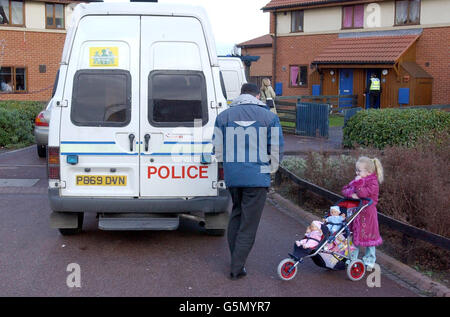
{"type": "Point", "coordinates": [250, 89]}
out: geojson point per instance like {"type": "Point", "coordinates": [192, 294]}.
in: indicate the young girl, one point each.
{"type": "Point", "coordinates": [369, 174]}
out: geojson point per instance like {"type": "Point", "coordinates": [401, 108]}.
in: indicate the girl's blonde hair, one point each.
{"type": "Point", "coordinates": [372, 166]}
{"type": "Point", "coordinates": [265, 83]}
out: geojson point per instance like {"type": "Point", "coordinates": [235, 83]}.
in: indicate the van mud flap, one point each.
{"type": "Point", "coordinates": [138, 222]}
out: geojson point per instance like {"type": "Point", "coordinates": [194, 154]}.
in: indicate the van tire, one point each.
{"type": "Point", "coordinates": [41, 150]}
{"type": "Point", "coordinates": [73, 231]}
{"type": "Point", "coordinates": [215, 232]}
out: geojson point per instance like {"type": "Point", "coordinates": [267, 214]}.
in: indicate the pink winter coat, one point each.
{"type": "Point", "coordinates": [365, 226]}
{"type": "Point", "coordinates": [309, 243]}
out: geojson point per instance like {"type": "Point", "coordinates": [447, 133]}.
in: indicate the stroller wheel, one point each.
{"type": "Point", "coordinates": [286, 270]}
{"type": "Point", "coordinates": [356, 270]}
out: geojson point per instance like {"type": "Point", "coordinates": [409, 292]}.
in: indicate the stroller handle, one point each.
{"type": "Point", "coordinates": [360, 201]}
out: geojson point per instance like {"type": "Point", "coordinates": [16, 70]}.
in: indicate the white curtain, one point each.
{"type": "Point", "coordinates": [414, 11]}
{"type": "Point", "coordinates": [17, 12]}
{"type": "Point", "coordinates": [401, 12]}
{"type": "Point", "coordinates": [4, 12]}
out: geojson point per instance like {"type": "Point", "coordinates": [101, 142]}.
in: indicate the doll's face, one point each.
{"type": "Point", "coordinates": [314, 227]}
{"type": "Point", "coordinates": [335, 212]}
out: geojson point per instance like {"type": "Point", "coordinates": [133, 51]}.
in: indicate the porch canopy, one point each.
{"type": "Point", "coordinates": [366, 50]}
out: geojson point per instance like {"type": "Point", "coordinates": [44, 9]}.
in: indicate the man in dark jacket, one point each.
{"type": "Point", "coordinates": [248, 139]}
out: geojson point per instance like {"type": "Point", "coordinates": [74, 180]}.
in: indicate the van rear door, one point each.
{"type": "Point", "coordinates": [177, 109]}
{"type": "Point", "coordinates": [100, 115]}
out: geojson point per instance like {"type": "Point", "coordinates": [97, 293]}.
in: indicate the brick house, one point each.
{"type": "Point", "coordinates": [32, 34]}
{"type": "Point", "coordinates": [332, 47]}
{"type": "Point", "coordinates": [262, 47]}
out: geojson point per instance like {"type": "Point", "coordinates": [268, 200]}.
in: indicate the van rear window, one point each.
{"type": "Point", "coordinates": [177, 98]}
{"type": "Point", "coordinates": [101, 98]}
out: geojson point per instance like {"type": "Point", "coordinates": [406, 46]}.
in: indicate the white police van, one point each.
{"type": "Point", "coordinates": [138, 93]}
{"type": "Point", "coordinates": [233, 73]}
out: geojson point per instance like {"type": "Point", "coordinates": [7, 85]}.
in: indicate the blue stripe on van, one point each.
{"type": "Point", "coordinates": [111, 154]}
{"type": "Point", "coordinates": [170, 154]}
{"type": "Point", "coordinates": [174, 142]}
{"type": "Point", "coordinates": [88, 142]}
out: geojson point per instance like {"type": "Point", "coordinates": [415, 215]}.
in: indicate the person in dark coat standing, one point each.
{"type": "Point", "coordinates": [248, 139]}
{"type": "Point", "coordinates": [374, 92]}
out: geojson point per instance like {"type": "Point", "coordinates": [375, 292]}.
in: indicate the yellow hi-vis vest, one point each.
{"type": "Point", "coordinates": [375, 84]}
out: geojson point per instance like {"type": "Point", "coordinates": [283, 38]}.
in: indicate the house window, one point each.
{"type": "Point", "coordinates": [13, 79]}
{"type": "Point", "coordinates": [54, 16]}
{"type": "Point", "coordinates": [353, 17]}
{"type": "Point", "coordinates": [11, 12]}
{"type": "Point", "coordinates": [298, 76]}
{"type": "Point", "coordinates": [407, 12]}
{"type": "Point", "coordinates": [297, 21]}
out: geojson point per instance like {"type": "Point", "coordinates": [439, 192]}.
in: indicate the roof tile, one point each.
{"type": "Point", "coordinates": [380, 49]}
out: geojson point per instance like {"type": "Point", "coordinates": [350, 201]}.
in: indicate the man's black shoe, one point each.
{"type": "Point", "coordinates": [239, 275]}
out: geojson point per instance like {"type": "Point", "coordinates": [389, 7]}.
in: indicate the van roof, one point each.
{"type": "Point", "coordinates": [160, 9]}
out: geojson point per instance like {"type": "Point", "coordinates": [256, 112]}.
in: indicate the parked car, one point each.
{"type": "Point", "coordinates": [41, 130]}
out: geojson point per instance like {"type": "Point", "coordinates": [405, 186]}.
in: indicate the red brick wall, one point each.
{"type": "Point", "coordinates": [263, 67]}
{"type": "Point", "coordinates": [31, 49]}
{"type": "Point", "coordinates": [433, 47]}
{"type": "Point", "coordinates": [298, 50]}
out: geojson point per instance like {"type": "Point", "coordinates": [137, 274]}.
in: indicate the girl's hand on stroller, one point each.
{"type": "Point", "coordinates": [354, 196]}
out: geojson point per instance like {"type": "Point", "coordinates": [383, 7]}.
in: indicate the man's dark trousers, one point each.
{"type": "Point", "coordinates": [248, 204]}
{"type": "Point", "coordinates": [373, 99]}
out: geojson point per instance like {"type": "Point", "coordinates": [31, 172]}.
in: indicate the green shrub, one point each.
{"type": "Point", "coordinates": [387, 127]}
{"type": "Point", "coordinates": [30, 109]}
{"type": "Point", "coordinates": [15, 128]}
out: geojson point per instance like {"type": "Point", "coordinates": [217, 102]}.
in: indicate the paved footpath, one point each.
{"type": "Point", "coordinates": [34, 258]}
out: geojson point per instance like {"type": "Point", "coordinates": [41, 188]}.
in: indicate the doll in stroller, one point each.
{"type": "Point", "coordinates": [327, 248]}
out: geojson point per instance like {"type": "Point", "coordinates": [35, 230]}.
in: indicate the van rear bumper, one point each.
{"type": "Point", "coordinates": [209, 205]}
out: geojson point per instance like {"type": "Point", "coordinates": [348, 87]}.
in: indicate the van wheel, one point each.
{"type": "Point", "coordinates": [215, 232]}
{"type": "Point", "coordinates": [41, 150]}
{"type": "Point", "coordinates": [73, 231]}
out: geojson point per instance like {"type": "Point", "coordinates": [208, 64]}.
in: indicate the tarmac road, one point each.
{"type": "Point", "coordinates": [186, 262]}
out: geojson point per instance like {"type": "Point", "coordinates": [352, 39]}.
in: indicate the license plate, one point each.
{"type": "Point", "coordinates": [101, 180]}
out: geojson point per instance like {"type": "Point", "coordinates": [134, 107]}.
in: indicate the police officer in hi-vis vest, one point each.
{"type": "Point", "coordinates": [374, 92]}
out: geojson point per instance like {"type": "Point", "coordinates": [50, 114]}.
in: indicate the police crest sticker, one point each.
{"type": "Point", "coordinates": [103, 56]}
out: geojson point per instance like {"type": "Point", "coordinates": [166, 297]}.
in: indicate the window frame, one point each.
{"type": "Point", "coordinates": [300, 67]}
{"type": "Point", "coordinates": [353, 17]}
{"type": "Point", "coordinates": [23, 15]}
{"type": "Point", "coordinates": [103, 123]}
{"type": "Point", "coordinates": [54, 27]}
{"type": "Point", "coordinates": [303, 21]}
{"type": "Point", "coordinates": [204, 94]}
{"type": "Point", "coordinates": [13, 75]}
{"type": "Point", "coordinates": [407, 23]}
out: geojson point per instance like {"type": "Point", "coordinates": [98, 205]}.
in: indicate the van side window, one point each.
{"type": "Point", "coordinates": [101, 98]}
{"type": "Point", "coordinates": [176, 98]}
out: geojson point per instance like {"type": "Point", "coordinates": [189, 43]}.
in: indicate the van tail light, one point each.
{"type": "Point", "coordinates": [53, 162]}
{"type": "Point", "coordinates": [39, 121]}
{"type": "Point", "coordinates": [220, 172]}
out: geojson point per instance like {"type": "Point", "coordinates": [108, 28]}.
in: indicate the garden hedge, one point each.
{"type": "Point", "coordinates": [17, 122]}
{"type": "Point", "coordinates": [387, 127]}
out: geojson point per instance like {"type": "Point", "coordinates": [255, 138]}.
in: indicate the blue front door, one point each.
{"type": "Point", "coordinates": [345, 86]}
